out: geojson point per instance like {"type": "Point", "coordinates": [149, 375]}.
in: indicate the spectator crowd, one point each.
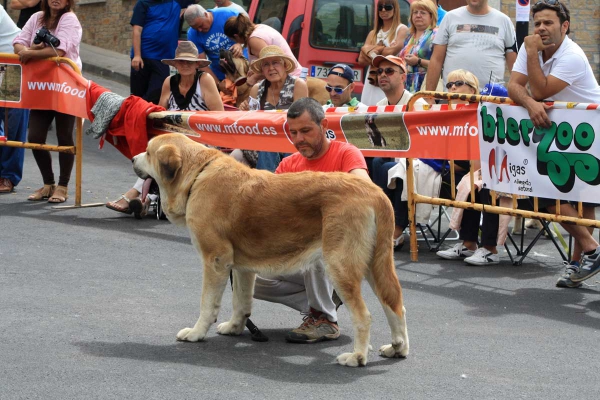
{"type": "Point", "coordinates": [460, 50]}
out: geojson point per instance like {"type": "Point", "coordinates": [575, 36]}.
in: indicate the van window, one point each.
{"type": "Point", "coordinates": [345, 24]}
{"type": "Point", "coordinates": [271, 13]}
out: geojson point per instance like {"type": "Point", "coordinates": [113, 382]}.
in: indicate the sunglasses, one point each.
{"type": "Point", "coordinates": [336, 90]}
{"type": "Point", "coordinates": [386, 7]}
{"type": "Point", "coordinates": [552, 3]}
{"type": "Point", "coordinates": [388, 71]}
{"type": "Point", "coordinates": [458, 84]}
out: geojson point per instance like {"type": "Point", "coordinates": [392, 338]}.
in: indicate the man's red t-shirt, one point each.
{"type": "Point", "coordinates": [340, 157]}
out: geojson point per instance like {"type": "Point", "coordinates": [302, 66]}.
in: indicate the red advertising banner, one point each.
{"type": "Point", "coordinates": [445, 134]}
{"type": "Point", "coordinates": [42, 85]}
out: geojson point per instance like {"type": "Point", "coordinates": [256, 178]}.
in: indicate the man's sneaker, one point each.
{"type": "Point", "coordinates": [565, 279]}
{"type": "Point", "coordinates": [590, 266]}
{"type": "Point", "coordinates": [483, 257]}
{"type": "Point", "coordinates": [455, 253]}
{"type": "Point", "coordinates": [314, 330]}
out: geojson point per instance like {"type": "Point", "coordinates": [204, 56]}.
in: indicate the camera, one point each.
{"type": "Point", "coordinates": [43, 35]}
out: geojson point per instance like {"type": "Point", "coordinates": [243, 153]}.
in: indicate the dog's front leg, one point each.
{"type": "Point", "coordinates": [213, 284]}
{"type": "Point", "coordinates": [243, 289]}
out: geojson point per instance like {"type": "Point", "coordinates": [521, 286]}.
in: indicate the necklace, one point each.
{"type": "Point", "coordinates": [274, 96]}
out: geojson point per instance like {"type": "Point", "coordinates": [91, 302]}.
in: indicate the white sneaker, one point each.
{"type": "Point", "coordinates": [483, 257]}
{"type": "Point", "coordinates": [456, 252]}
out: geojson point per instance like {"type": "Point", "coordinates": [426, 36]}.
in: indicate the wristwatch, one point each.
{"type": "Point", "coordinates": [419, 62]}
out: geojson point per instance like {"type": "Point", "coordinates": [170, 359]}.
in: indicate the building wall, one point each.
{"type": "Point", "coordinates": [106, 23]}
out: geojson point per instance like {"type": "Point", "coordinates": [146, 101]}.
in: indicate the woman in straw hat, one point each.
{"type": "Point", "coordinates": [256, 37]}
{"type": "Point", "coordinates": [188, 90]}
{"type": "Point", "coordinates": [277, 91]}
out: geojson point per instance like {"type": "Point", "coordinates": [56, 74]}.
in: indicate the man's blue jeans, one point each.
{"type": "Point", "coordinates": [11, 158]}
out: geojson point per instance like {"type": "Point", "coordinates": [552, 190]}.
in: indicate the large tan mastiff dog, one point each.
{"type": "Point", "coordinates": [253, 221]}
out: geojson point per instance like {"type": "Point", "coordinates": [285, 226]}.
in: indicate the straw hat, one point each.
{"type": "Point", "coordinates": [273, 51]}
{"type": "Point", "coordinates": [186, 51]}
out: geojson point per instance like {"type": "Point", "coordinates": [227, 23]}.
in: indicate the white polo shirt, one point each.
{"type": "Point", "coordinates": [406, 95]}
{"type": "Point", "coordinates": [569, 64]}
{"type": "Point", "coordinates": [8, 31]}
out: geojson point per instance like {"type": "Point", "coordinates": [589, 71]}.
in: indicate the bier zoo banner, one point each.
{"type": "Point", "coordinates": [559, 162]}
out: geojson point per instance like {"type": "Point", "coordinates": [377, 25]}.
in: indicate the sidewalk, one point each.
{"type": "Point", "coordinates": [106, 63]}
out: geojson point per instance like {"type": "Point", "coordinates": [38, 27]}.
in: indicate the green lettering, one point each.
{"type": "Point", "coordinates": [564, 136]}
{"type": "Point", "coordinates": [512, 132]}
{"type": "Point", "coordinates": [584, 136]}
{"type": "Point", "coordinates": [526, 127]}
{"type": "Point", "coordinates": [488, 124]}
{"type": "Point", "coordinates": [500, 126]}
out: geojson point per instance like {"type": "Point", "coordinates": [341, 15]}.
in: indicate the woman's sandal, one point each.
{"type": "Point", "coordinates": [115, 207]}
{"type": "Point", "coordinates": [60, 195]}
{"type": "Point", "coordinates": [42, 193]}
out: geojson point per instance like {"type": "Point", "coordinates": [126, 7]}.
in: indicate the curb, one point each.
{"type": "Point", "coordinates": [106, 73]}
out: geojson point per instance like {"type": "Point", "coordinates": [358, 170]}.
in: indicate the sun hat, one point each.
{"type": "Point", "coordinates": [346, 73]}
{"type": "Point", "coordinates": [393, 59]}
{"type": "Point", "coordinates": [273, 51]}
{"type": "Point", "coordinates": [186, 51]}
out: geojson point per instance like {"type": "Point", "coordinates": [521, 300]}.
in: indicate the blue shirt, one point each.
{"type": "Point", "coordinates": [214, 40]}
{"type": "Point", "coordinates": [160, 22]}
{"type": "Point", "coordinates": [441, 15]}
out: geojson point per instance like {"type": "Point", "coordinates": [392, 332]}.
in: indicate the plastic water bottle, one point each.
{"type": "Point", "coordinates": [304, 73]}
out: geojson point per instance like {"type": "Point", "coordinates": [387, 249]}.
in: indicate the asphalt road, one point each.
{"type": "Point", "coordinates": [91, 301]}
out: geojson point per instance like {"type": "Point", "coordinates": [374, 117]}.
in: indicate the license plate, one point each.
{"type": "Point", "coordinates": [321, 72]}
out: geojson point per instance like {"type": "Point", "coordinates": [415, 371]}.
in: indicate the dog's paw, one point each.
{"type": "Point", "coordinates": [230, 328]}
{"type": "Point", "coordinates": [352, 359]}
{"type": "Point", "coordinates": [189, 335]}
{"type": "Point", "coordinates": [399, 350]}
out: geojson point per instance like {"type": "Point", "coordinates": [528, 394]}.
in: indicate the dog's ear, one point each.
{"type": "Point", "coordinates": [169, 160]}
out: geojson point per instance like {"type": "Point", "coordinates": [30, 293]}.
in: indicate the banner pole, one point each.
{"type": "Point", "coordinates": [78, 161]}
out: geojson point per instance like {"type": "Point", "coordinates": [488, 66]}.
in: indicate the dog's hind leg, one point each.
{"type": "Point", "coordinates": [350, 293]}
{"type": "Point", "coordinates": [396, 317]}
{"type": "Point", "coordinates": [217, 265]}
{"type": "Point", "coordinates": [243, 288]}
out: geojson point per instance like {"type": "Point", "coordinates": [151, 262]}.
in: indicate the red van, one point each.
{"type": "Point", "coordinates": [322, 33]}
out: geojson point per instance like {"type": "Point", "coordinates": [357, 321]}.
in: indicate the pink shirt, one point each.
{"type": "Point", "coordinates": [272, 37]}
{"type": "Point", "coordinates": [68, 31]}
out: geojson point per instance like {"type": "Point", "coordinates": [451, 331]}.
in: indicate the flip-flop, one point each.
{"type": "Point", "coordinates": [112, 205]}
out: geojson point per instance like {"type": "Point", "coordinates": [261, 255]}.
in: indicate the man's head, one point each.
{"type": "Point", "coordinates": [198, 18]}
{"type": "Point", "coordinates": [477, 6]}
{"type": "Point", "coordinates": [549, 18]}
{"type": "Point", "coordinates": [391, 74]}
{"type": "Point", "coordinates": [307, 125]}
{"type": "Point", "coordinates": [340, 84]}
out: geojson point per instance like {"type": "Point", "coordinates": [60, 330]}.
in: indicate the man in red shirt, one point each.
{"type": "Point", "coordinates": [311, 292]}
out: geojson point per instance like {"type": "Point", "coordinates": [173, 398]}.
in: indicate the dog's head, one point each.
{"type": "Point", "coordinates": [174, 161]}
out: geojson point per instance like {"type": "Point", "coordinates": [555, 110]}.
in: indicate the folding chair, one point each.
{"type": "Point", "coordinates": [521, 254]}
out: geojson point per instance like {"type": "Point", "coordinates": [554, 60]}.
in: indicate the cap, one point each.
{"type": "Point", "coordinates": [393, 59]}
{"type": "Point", "coordinates": [347, 73]}
{"type": "Point", "coordinates": [494, 89]}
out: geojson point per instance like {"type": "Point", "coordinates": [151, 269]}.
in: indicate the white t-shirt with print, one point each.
{"type": "Point", "coordinates": [569, 64]}
{"type": "Point", "coordinates": [476, 43]}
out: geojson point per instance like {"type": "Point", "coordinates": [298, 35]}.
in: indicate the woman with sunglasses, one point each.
{"type": "Point", "coordinates": [188, 90]}
{"type": "Point", "coordinates": [386, 39]}
{"type": "Point", "coordinates": [418, 46]}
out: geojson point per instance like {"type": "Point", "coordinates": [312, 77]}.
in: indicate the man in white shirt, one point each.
{"type": "Point", "coordinates": [476, 38]}
{"type": "Point", "coordinates": [391, 73]}
{"type": "Point", "coordinates": [556, 68]}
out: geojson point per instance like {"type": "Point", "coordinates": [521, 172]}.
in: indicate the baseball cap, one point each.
{"type": "Point", "coordinates": [393, 59]}
{"type": "Point", "coordinates": [494, 89]}
{"type": "Point", "coordinates": [347, 73]}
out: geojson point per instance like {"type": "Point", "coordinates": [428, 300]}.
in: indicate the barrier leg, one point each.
{"type": "Point", "coordinates": [410, 184]}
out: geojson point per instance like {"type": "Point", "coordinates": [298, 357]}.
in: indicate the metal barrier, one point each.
{"type": "Point", "coordinates": [77, 150]}
{"type": "Point", "coordinates": [414, 198]}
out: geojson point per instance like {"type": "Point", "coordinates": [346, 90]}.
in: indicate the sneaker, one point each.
{"type": "Point", "coordinates": [565, 279]}
{"type": "Point", "coordinates": [314, 330]}
{"type": "Point", "coordinates": [455, 253]}
{"type": "Point", "coordinates": [590, 266]}
{"type": "Point", "coordinates": [483, 257]}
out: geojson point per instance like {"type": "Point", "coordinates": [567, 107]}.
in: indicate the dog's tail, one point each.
{"type": "Point", "coordinates": [383, 271]}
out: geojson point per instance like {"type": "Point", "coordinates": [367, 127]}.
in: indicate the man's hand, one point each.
{"type": "Point", "coordinates": [236, 50]}
{"type": "Point", "coordinates": [137, 63]}
{"type": "Point", "coordinates": [534, 43]}
{"type": "Point", "coordinates": [537, 113]}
